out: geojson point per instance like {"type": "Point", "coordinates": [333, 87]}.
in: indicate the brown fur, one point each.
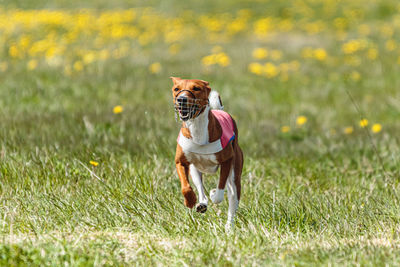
{"type": "Point", "coordinates": [231, 155]}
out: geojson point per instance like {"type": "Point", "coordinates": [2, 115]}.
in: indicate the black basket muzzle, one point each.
{"type": "Point", "coordinates": [187, 107]}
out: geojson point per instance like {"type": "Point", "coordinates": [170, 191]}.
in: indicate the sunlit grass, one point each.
{"type": "Point", "coordinates": [88, 133]}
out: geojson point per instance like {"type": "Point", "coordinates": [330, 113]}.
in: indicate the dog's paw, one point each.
{"type": "Point", "coordinates": [190, 197]}
{"type": "Point", "coordinates": [229, 227]}
{"type": "Point", "coordinates": [217, 195]}
{"type": "Point", "coordinates": [201, 207]}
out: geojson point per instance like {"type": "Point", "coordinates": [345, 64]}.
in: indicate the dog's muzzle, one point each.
{"type": "Point", "coordinates": [187, 107]}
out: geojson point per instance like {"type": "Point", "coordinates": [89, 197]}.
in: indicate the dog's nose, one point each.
{"type": "Point", "coordinates": [182, 99]}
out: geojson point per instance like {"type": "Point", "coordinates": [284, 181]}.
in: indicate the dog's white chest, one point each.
{"type": "Point", "coordinates": [205, 163]}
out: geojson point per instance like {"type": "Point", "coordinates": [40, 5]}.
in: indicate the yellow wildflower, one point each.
{"type": "Point", "coordinates": [348, 130]}
{"type": "Point", "coordinates": [376, 128]}
{"type": "Point", "coordinates": [208, 60]}
{"type": "Point", "coordinates": [93, 163]}
{"type": "Point", "coordinates": [260, 53]}
{"type": "Point", "coordinates": [300, 120]}
{"type": "Point", "coordinates": [294, 65]}
{"type": "Point", "coordinates": [285, 129]}
{"type": "Point", "coordinates": [363, 123]}
{"type": "Point", "coordinates": [14, 51]}
{"type": "Point", "coordinates": [78, 66]}
{"type": "Point", "coordinates": [174, 49]}
{"type": "Point", "coordinates": [390, 45]}
{"type": "Point", "coordinates": [355, 76]}
{"type": "Point", "coordinates": [353, 46]}
{"type": "Point", "coordinates": [270, 70]}
{"type": "Point", "coordinates": [387, 30]}
{"type": "Point", "coordinates": [320, 54]}
{"type": "Point", "coordinates": [155, 67]}
{"type": "Point", "coordinates": [89, 58]}
{"type": "Point", "coordinates": [223, 59]}
{"type": "Point", "coordinates": [32, 64]}
{"type": "Point", "coordinates": [256, 68]}
{"type": "Point", "coordinates": [118, 109]}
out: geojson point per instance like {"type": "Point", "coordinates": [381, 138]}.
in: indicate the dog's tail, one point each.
{"type": "Point", "coordinates": [215, 100]}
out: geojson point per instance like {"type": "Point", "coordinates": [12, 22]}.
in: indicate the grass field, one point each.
{"type": "Point", "coordinates": [88, 134]}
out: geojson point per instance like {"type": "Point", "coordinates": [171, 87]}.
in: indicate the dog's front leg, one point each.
{"type": "Point", "coordinates": [187, 191]}
{"type": "Point", "coordinates": [217, 195]}
{"type": "Point", "coordinates": [198, 182]}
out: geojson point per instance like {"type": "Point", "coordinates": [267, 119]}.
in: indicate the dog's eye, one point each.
{"type": "Point", "coordinates": [196, 89]}
{"type": "Point", "coordinates": [176, 89]}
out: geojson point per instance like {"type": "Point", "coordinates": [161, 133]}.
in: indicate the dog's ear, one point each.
{"type": "Point", "coordinates": [205, 82]}
{"type": "Point", "coordinates": [207, 85]}
{"type": "Point", "coordinates": [175, 79]}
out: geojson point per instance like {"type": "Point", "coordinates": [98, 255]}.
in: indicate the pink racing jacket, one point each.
{"type": "Point", "coordinates": [228, 134]}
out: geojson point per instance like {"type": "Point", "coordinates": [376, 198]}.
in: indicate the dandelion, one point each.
{"type": "Point", "coordinates": [174, 49]}
{"type": "Point", "coordinates": [208, 60]}
{"type": "Point", "coordinates": [155, 67]}
{"type": "Point", "coordinates": [93, 163]}
{"type": "Point", "coordinates": [387, 31]}
{"type": "Point", "coordinates": [118, 109]}
{"type": "Point", "coordinates": [363, 123]}
{"type": "Point", "coordinates": [353, 46]}
{"type": "Point", "coordinates": [355, 76]}
{"type": "Point", "coordinates": [32, 64]}
{"type": "Point", "coordinates": [376, 128]}
{"type": "Point", "coordinates": [301, 120]}
{"type": "Point", "coordinates": [89, 58]}
{"type": "Point", "coordinates": [223, 59]}
{"type": "Point", "coordinates": [256, 68]}
{"type": "Point", "coordinates": [14, 51]}
{"type": "Point", "coordinates": [348, 130]}
{"type": "Point", "coordinates": [285, 129]}
{"type": "Point", "coordinates": [271, 70]}
{"type": "Point", "coordinates": [320, 54]}
{"type": "Point", "coordinates": [78, 66]}
{"type": "Point", "coordinates": [390, 45]}
{"type": "Point", "coordinates": [260, 53]}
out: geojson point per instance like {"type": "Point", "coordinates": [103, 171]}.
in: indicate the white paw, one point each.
{"type": "Point", "coordinates": [229, 227]}
{"type": "Point", "coordinates": [217, 195]}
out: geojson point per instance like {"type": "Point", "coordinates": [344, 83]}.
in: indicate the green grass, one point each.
{"type": "Point", "coordinates": [310, 197]}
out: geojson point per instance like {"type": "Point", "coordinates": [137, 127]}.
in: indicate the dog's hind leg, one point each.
{"type": "Point", "coordinates": [233, 199]}
{"type": "Point", "coordinates": [226, 170]}
{"type": "Point", "coordinates": [198, 182]}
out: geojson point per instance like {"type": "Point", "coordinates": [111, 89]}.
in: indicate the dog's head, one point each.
{"type": "Point", "coordinates": [190, 97]}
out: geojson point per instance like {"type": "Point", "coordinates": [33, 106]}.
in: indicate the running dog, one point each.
{"type": "Point", "coordinates": [207, 140]}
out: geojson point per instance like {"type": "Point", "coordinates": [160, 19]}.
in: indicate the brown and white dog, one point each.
{"type": "Point", "coordinates": [207, 140]}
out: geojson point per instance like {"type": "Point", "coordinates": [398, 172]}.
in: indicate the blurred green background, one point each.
{"type": "Point", "coordinates": [88, 134]}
